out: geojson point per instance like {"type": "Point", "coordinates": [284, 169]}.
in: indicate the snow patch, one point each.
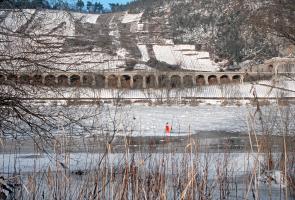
{"type": "Point", "coordinates": [184, 47]}
{"type": "Point", "coordinates": [91, 18]}
{"type": "Point", "coordinates": [144, 52]}
{"type": "Point", "coordinates": [185, 56]}
{"type": "Point", "coordinates": [128, 18]}
{"type": "Point", "coordinates": [86, 18]}
{"type": "Point", "coordinates": [122, 53]}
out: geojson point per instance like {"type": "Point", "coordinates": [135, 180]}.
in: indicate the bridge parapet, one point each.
{"type": "Point", "coordinates": [133, 79]}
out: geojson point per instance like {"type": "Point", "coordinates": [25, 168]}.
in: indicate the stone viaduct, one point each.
{"type": "Point", "coordinates": [139, 79]}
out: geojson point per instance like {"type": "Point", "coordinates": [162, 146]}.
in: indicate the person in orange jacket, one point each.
{"type": "Point", "coordinates": [168, 129]}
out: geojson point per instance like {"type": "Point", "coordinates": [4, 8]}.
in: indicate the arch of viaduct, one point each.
{"type": "Point", "coordinates": [129, 80]}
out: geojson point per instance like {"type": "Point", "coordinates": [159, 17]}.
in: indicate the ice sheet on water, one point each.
{"type": "Point", "coordinates": [24, 163]}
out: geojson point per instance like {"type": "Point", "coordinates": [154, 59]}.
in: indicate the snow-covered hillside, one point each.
{"type": "Point", "coordinates": [75, 41]}
{"type": "Point", "coordinates": [192, 35]}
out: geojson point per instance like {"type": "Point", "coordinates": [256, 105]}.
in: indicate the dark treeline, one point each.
{"type": "Point", "coordinates": [78, 5]}
{"type": "Point", "coordinates": [24, 4]}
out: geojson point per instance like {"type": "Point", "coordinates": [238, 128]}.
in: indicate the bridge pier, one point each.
{"type": "Point", "coordinates": [81, 80]}
{"type": "Point", "coordinates": [231, 79]}
{"type": "Point", "coordinates": [55, 80]}
{"type": "Point", "coordinates": [69, 81]}
{"type": "Point", "coordinates": [93, 81]}
{"type": "Point", "coordinates": [181, 81]}
{"type": "Point", "coordinates": [131, 82]}
{"type": "Point", "coordinates": [119, 82]}
{"type": "Point", "coordinates": [218, 79]}
{"type": "Point", "coordinates": [194, 78]}
{"type": "Point", "coordinates": [156, 81]}
{"type": "Point", "coordinates": [206, 80]}
{"type": "Point", "coordinates": [144, 82]}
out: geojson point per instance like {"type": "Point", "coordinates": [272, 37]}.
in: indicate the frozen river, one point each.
{"type": "Point", "coordinates": [140, 120]}
{"type": "Point", "coordinates": [185, 120]}
{"type": "Point", "coordinates": [143, 120]}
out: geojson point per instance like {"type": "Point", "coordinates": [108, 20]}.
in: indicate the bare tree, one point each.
{"type": "Point", "coordinates": [31, 43]}
{"type": "Point", "coordinates": [275, 17]}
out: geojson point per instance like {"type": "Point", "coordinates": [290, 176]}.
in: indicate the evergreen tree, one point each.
{"type": "Point", "coordinates": [116, 7]}
{"type": "Point", "coordinates": [80, 5]}
{"type": "Point", "coordinates": [89, 6]}
{"type": "Point", "coordinates": [37, 4]}
{"type": "Point", "coordinates": [98, 7]}
{"type": "Point", "coordinates": [23, 4]}
{"type": "Point", "coordinates": [60, 5]}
